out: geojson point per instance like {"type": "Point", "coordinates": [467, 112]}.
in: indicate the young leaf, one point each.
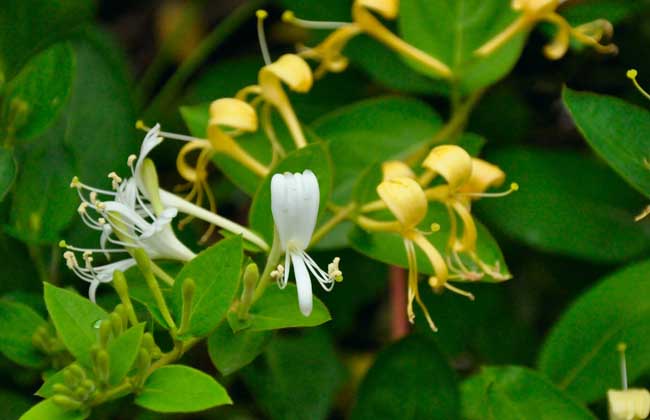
{"type": "Point", "coordinates": [452, 31]}
{"type": "Point", "coordinates": [122, 352]}
{"type": "Point", "coordinates": [181, 389]}
{"type": "Point", "coordinates": [580, 353]}
{"type": "Point", "coordinates": [19, 322]}
{"type": "Point", "coordinates": [35, 96]}
{"type": "Point", "coordinates": [567, 204]}
{"type": "Point", "coordinates": [47, 389]}
{"type": "Point", "coordinates": [314, 157]}
{"type": "Point", "coordinates": [371, 131]}
{"type": "Point", "coordinates": [215, 273]}
{"type": "Point", "coordinates": [297, 377]}
{"type": "Point", "coordinates": [513, 393]}
{"type": "Point", "coordinates": [231, 351]}
{"type": "Point", "coordinates": [278, 309]}
{"type": "Point", "coordinates": [409, 380]}
{"type": "Point", "coordinates": [617, 131]}
{"type": "Point", "coordinates": [75, 318]}
{"type": "Point", "coordinates": [7, 172]}
{"type": "Point", "coordinates": [48, 409]}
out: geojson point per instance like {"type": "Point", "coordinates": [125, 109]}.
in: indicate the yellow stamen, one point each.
{"type": "Point", "coordinates": [289, 17]}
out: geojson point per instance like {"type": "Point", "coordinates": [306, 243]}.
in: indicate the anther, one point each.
{"type": "Point", "coordinates": [75, 183]}
{"type": "Point", "coordinates": [131, 159]}
{"type": "Point", "coordinates": [116, 180]}
{"type": "Point", "coordinates": [82, 208]}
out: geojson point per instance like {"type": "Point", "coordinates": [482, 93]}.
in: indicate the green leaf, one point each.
{"type": "Point", "coordinates": [372, 131]}
{"type": "Point", "coordinates": [409, 380]}
{"type": "Point", "coordinates": [35, 96]}
{"type": "Point", "coordinates": [48, 409]}
{"type": "Point", "coordinates": [515, 393]}
{"type": "Point", "coordinates": [31, 25]}
{"type": "Point", "coordinates": [181, 389]}
{"type": "Point", "coordinates": [231, 351]}
{"type": "Point", "coordinates": [47, 389]}
{"type": "Point", "coordinates": [297, 377]}
{"type": "Point", "coordinates": [567, 204]}
{"type": "Point", "coordinates": [83, 142]}
{"type": "Point", "coordinates": [452, 31]}
{"type": "Point", "coordinates": [122, 352]}
{"type": "Point", "coordinates": [75, 318]}
{"type": "Point", "coordinates": [617, 131]}
{"type": "Point", "coordinates": [13, 404]}
{"type": "Point", "coordinates": [314, 157]}
{"type": "Point", "coordinates": [7, 172]}
{"type": "Point", "coordinates": [279, 309]}
{"type": "Point", "coordinates": [580, 353]}
{"type": "Point", "coordinates": [19, 323]}
{"type": "Point", "coordinates": [215, 272]}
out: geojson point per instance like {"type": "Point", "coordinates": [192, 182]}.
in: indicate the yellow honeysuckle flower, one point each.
{"type": "Point", "coordinates": [405, 199]}
{"type": "Point", "coordinates": [329, 52]}
{"type": "Point", "coordinates": [534, 11]}
{"type": "Point", "coordinates": [453, 163]}
{"type": "Point", "coordinates": [396, 168]}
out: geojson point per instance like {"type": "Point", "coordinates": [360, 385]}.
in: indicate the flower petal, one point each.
{"type": "Point", "coordinates": [303, 283]}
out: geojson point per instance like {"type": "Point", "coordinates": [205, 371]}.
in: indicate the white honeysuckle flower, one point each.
{"type": "Point", "coordinates": [294, 204]}
{"type": "Point", "coordinates": [127, 219]}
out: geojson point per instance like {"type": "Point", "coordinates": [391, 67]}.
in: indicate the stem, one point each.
{"type": "Point", "coordinates": [271, 261]}
{"type": "Point", "coordinates": [144, 263]}
{"type": "Point", "coordinates": [172, 200]}
{"type": "Point", "coordinates": [179, 349]}
{"type": "Point", "coordinates": [125, 386]}
{"type": "Point", "coordinates": [36, 253]}
{"type": "Point", "coordinates": [223, 30]}
{"type": "Point", "coordinates": [339, 215]}
{"type": "Point", "coordinates": [55, 260]}
{"type": "Point", "coordinates": [399, 324]}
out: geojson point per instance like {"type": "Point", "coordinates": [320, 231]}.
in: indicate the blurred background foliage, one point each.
{"type": "Point", "coordinates": [570, 225]}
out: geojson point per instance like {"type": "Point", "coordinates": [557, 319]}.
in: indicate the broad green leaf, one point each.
{"type": "Point", "coordinates": [181, 389]}
{"type": "Point", "coordinates": [35, 96]}
{"type": "Point", "coordinates": [19, 323]}
{"type": "Point", "coordinates": [7, 172]}
{"type": "Point", "coordinates": [372, 131]}
{"type": "Point", "coordinates": [314, 157]}
{"type": "Point", "coordinates": [13, 404]}
{"type": "Point", "coordinates": [231, 351]}
{"type": "Point", "coordinates": [27, 26]}
{"type": "Point", "coordinates": [279, 309]}
{"type": "Point", "coordinates": [47, 389]}
{"type": "Point", "coordinates": [452, 31]}
{"type": "Point", "coordinates": [48, 409]}
{"type": "Point", "coordinates": [83, 142]}
{"type": "Point", "coordinates": [296, 377]}
{"type": "Point", "coordinates": [122, 352]}
{"type": "Point", "coordinates": [617, 131]}
{"type": "Point", "coordinates": [215, 272]}
{"type": "Point", "coordinates": [75, 318]}
{"type": "Point", "coordinates": [409, 380]}
{"type": "Point", "coordinates": [567, 204]}
{"type": "Point", "coordinates": [580, 353]}
{"type": "Point", "coordinates": [516, 393]}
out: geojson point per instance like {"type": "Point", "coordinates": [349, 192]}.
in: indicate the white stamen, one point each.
{"type": "Point", "coordinates": [289, 17]}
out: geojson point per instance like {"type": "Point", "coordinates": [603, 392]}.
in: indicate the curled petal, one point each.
{"type": "Point", "coordinates": [452, 162]}
{"type": "Point", "coordinates": [484, 175]}
{"type": "Point", "coordinates": [386, 8]}
{"type": "Point", "coordinates": [234, 113]}
{"type": "Point", "coordinates": [394, 169]}
{"type": "Point", "coordinates": [405, 199]}
{"type": "Point", "coordinates": [290, 69]}
{"type": "Point", "coordinates": [560, 44]}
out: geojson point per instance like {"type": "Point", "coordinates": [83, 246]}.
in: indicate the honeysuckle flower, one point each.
{"type": "Point", "coordinates": [534, 11]}
{"type": "Point", "coordinates": [129, 216]}
{"type": "Point", "coordinates": [466, 179]}
{"type": "Point", "coordinates": [295, 200]}
{"type": "Point", "coordinates": [329, 52]}
{"type": "Point", "coordinates": [627, 404]}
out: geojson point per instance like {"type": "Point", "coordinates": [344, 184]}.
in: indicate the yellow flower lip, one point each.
{"type": "Point", "coordinates": [394, 169]}
{"type": "Point", "coordinates": [387, 8]}
{"type": "Point", "coordinates": [405, 199]}
{"type": "Point", "coordinates": [452, 162]}
{"type": "Point", "coordinates": [233, 113]}
{"type": "Point", "coordinates": [484, 175]}
{"type": "Point", "coordinates": [290, 69]}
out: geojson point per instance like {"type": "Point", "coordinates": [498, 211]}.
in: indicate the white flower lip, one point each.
{"type": "Point", "coordinates": [295, 198]}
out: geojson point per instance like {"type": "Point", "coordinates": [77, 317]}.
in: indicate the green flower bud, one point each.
{"type": "Point", "coordinates": [66, 402]}
{"type": "Point", "coordinates": [116, 323]}
{"type": "Point", "coordinates": [105, 332]}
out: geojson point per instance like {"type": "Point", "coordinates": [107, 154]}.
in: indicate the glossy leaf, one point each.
{"type": "Point", "coordinates": [515, 393]}
{"type": "Point", "coordinates": [296, 377]}
{"type": "Point", "coordinates": [19, 323]}
{"type": "Point", "coordinates": [567, 204]}
{"type": "Point", "coordinates": [231, 351]}
{"type": "Point", "coordinates": [35, 96]}
{"type": "Point", "coordinates": [617, 131]}
{"type": "Point", "coordinates": [8, 171]}
{"type": "Point", "coordinates": [215, 273]}
{"type": "Point", "coordinates": [47, 389]}
{"type": "Point", "coordinates": [409, 380]}
{"type": "Point", "coordinates": [391, 127]}
{"type": "Point", "coordinates": [580, 353]}
{"type": "Point", "coordinates": [75, 318]}
{"type": "Point", "coordinates": [31, 25]}
{"type": "Point", "coordinates": [314, 157]}
{"type": "Point", "coordinates": [123, 351]}
{"type": "Point", "coordinates": [278, 309]}
{"type": "Point", "coordinates": [452, 31]}
{"type": "Point", "coordinates": [48, 409]}
{"type": "Point", "coordinates": [181, 389]}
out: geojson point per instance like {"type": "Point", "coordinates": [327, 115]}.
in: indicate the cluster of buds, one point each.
{"type": "Point", "coordinates": [76, 390]}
